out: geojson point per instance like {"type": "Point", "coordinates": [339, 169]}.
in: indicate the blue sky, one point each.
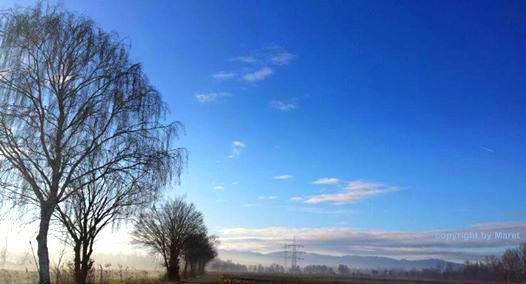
{"type": "Point", "coordinates": [416, 108]}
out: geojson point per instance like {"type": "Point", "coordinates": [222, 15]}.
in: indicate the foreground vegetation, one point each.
{"type": "Point", "coordinates": [101, 275]}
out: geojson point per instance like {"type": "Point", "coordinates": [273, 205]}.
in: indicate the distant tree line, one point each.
{"type": "Point", "coordinates": [318, 269]}
{"type": "Point", "coordinates": [509, 267]}
{"type": "Point", "coordinates": [273, 268]}
{"type": "Point", "coordinates": [229, 266]}
{"type": "Point", "coordinates": [226, 266]}
{"type": "Point", "coordinates": [232, 267]}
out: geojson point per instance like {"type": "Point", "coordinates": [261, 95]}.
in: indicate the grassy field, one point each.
{"type": "Point", "coordinates": [253, 278]}
{"type": "Point", "coordinates": [142, 277]}
{"type": "Point", "coordinates": [108, 276]}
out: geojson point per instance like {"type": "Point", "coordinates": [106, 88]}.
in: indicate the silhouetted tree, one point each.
{"type": "Point", "coordinates": [275, 268]}
{"type": "Point", "coordinates": [68, 92]}
{"type": "Point", "coordinates": [344, 269]}
{"type": "Point", "coordinates": [522, 254]}
{"type": "Point", "coordinates": [295, 269]}
{"type": "Point", "coordinates": [109, 201]}
{"type": "Point", "coordinates": [198, 250]}
{"type": "Point", "coordinates": [318, 269]}
{"type": "Point", "coordinates": [512, 263]}
{"type": "Point", "coordinates": [165, 228]}
{"type": "Point", "coordinates": [227, 266]}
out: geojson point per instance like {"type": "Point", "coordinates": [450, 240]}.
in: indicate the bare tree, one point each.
{"type": "Point", "coordinates": [67, 92]}
{"type": "Point", "coordinates": [344, 269]}
{"type": "Point", "coordinates": [164, 229]}
{"type": "Point", "coordinates": [512, 263]}
{"type": "Point", "coordinates": [110, 201]}
{"type": "Point", "coordinates": [198, 250]}
{"type": "Point", "coordinates": [522, 253]}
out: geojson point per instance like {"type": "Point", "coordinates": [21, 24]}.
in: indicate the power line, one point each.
{"type": "Point", "coordinates": [293, 252]}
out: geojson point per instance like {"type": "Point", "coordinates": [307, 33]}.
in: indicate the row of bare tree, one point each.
{"type": "Point", "coordinates": [511, 266]}
{"type": "Point", "coordinates": [83, 139]}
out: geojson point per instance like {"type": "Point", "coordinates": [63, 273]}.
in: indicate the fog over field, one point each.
{"type": "Point", "coordinates": [323, 245]}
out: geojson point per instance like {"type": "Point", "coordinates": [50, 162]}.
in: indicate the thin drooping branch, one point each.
{"type": "Point", "coordinates": [69, 95]}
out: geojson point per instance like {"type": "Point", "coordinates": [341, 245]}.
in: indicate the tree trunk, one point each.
{"type": "Point", "coordinates": [82, 261]}
{"type": "Point", "coordinates": [43, 253]}
{"type": "Point", "coordinates": [201, 267]}
{"type": "Point", "coordinates": [173, 269]}
{"type": "Point", "coordinates": [173, 272]}
{"type": "Point", "coordinates": [77, 270]}
{"type": "Point", "coordinates": [192, 268]}
{"type": "Point", "coordinates": [185, 268]}
{"type": "Point", "coordinates": [82, 267]}
{"type": "Point", "coordinates": [83, 275]}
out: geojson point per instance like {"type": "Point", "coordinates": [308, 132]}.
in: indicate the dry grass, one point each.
{"type": "Point", "coordinates": [102, 275]}
{"type": "Point", "coordinates": [18, 276]}
{"type": "Point", "coordinates": [138, 281]}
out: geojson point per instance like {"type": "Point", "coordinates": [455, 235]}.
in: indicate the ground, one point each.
{"type": "Point", "coordinates": [25, 277]}
{"type": "Point", "coordinates": [208, 278]}
{"type": "Point", "coordinates": [248, 278]}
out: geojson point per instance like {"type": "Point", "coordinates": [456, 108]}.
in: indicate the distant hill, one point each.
{"type": "Point", "coordinates": [353, 261]}
{"type": "Point", "coordinates": [147, 262]}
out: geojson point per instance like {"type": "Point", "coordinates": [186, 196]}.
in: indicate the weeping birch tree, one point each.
{"type": "Point", "coordinates": [68, 93]}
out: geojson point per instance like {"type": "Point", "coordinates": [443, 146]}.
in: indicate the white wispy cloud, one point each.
{"type": "Point", "coordinates": [283, 105]}
{"type": "Point", "coordinates": [282, 177]}
{"type": "Point", "coordinates": [270, 55]}
{"type": "Point", "coordinates": [354, 191]}
{"type": "Point", "coordinates": [224, 75]}
{"type": "Point", "coordinates": [326, 181]}
{"type": "Point", "coordinates": [219, 187]}
{"type": "Point", "coordinates": [248, 205]}
{"type": "Point", "coordinates": [318, 210]}
{"type": "Point", "coordinates": [282, 58]}
{"type": "Point", "coordinates": [270, 197]}
{"type": "Point", "coordinates": [236, 148]}
{"type": "Point", "coordinates": [257, 65]}
{"type": "Point", "coordinates": [210, 96]}
{"type": "Point", "coordinates": [452, 244]}
{"type": "Point", "coordinates": [258, 75]}
{"type": "Point", "coordinates": [247, 59]}
{"type": "Point", "coordinates": [489, 150]}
